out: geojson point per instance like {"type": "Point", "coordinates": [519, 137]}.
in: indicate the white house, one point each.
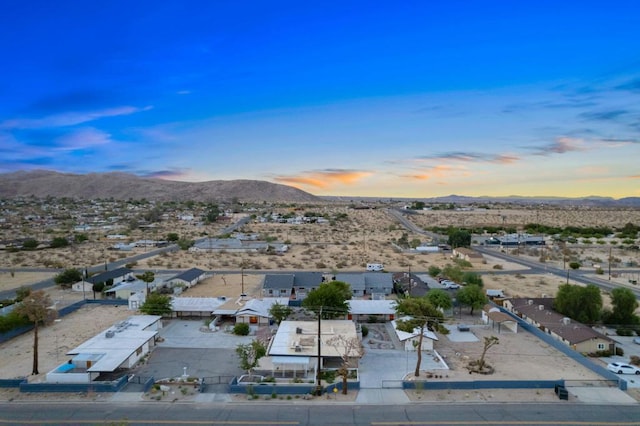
{"type": "Point", "coordinates": [256, 311]}
{"type": "Point", "coordinates": [119, 347]}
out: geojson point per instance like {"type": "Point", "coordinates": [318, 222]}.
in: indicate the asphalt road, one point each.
{"type": "Point", "coordinates": [275, 413]}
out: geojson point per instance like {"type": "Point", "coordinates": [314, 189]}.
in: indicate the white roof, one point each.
{"type": "Point", "coordinates": [196, 304]}
{"type": "Point", "coordinates": [128, 336]}
{"type": "Point", "coordinates": [403, 335]}
{"type": "Point", "coordinates": [372, 307]}
{"type": "Point", "coordinates": [287, 338]}
{"type": "Point", "coordinates": [260, 307]}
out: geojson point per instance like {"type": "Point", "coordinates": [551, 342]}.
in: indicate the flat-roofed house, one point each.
{"type": "Point", "coordinates": [118, 348]}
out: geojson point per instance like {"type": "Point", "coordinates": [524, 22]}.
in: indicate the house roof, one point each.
{"type": "Point", "coordinates": [378, 280]}
{"type": "Point", "coordinates": [356, 281]}
{"type": "Point", "coordinates": [196, 304]}
{"type": "Point", "coordinates": [109, 275]}
{"type": "Point", "coordinates": [572, 331]}
{"type": "Point", "coordinates": [260, 307]}
{"type": "Point", "coordinates": [287, 338]}
{"type": "Point", "coordinates": [307, 280]}
{"type": "Point", "coordinates": [372, 307]}
{"type": "Point", "coordinates": [128, 336]}
{"type": "Point", "coordinates": [189, 275]}
{"type": "Point", "coordinates": [278, 281]}
{"type": "Point", "coordinates": [496, 315]}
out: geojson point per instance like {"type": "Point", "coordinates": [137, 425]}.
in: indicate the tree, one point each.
{"type": "Point", "coordinates": [250, 354]}
{"type": "Point", "coordinates": [348, 348]}
{"type": "Point", "coordinates": [472, 278]}
{"type": "Point", "coordinates": [279, 312]}
{"type": "Point", "coordinates": [22, 292]}
{"type": "Point", "coordinates": [156, 304]}
{"type": "Point", "coordinates": [37, 307]}
{"type": "Point", "coordinates": [97, 288]}
{"type": "Point", "coordinates": [330, 298]}
{"type": "Point", "coordinates": [472, 296]}
{"type": "Point", "coordinates": [213, 213]}
{"type": "Point", "coordinates": [624, 305]}
{"type": "Point", "coordinates": [423, 316]}
{"type": "Point", "coordinates": [148, 277]}
{"type": "Point", "coordinates": [459, 238]}
{"type": "Point", "coordinates": [574, 265]}
{"type": "Point", "coordinates": [67, 277]}
{"type": "Point", "coordinates": [489, 342]}
{"type": "Point", "coordinates": [172, 237]}
{"type": "Point", "coordinates": [434, 271]}
{"type": "Point", "coordinates": [583, 304]}
{"type": "Point", "coordinates": [439, 298]}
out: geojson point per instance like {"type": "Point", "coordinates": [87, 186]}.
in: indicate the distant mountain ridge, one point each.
{"type": "Point", "coordinates": [591, 201]}
{"type": "Point", "coordinates": [124, 186]}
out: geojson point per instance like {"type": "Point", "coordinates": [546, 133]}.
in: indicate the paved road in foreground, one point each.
{"type": "Point", "coordinates": [278, 413]}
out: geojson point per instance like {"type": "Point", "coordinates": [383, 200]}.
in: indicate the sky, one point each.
{"type": "Point", "coordinates": [407, 99]}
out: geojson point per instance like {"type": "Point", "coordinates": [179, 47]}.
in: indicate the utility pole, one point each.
{"type": "Point", "coordinates": [609, 263]}
{"type": "Point", "coordinates": [318, 381]}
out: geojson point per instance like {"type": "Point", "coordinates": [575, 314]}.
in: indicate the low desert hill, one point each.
{"type": "Point", "coordinates": [123, 186]}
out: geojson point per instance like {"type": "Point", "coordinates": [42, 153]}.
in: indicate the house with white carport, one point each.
{"type": "Point", "coordinates": [114, 350]}
{"type": "Point", "coordinates": [410, 339]}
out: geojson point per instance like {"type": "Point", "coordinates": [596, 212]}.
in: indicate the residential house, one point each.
{"type": "Point", "coordinates": [378, 284]}
{"type": "Point", "coordinates": [188, 278]}
{"type": "Point", "coordinates": [119, 347]}
{"type": "Point", "coordinates": [356, 281]}
{"type": "Point", "coordinates": [467, 254]}
{"type": "Point", "coordinates": [114, 276]}
{"type": "Point", "coordinates": [366, 310]}
{"type": "Point", "coordinates": [256, 311]}
{"type": "Point", "coordinates": [295, 346]}
{"type": "Point", "coordinates": [296, 286]}
{"type": "Point", "coordinates": [540, 313]}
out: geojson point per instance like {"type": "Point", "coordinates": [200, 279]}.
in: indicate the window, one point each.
{"type": "Point", "coordinates": [601, 346]}
{"type": "Point", "coordinates": [139, 351]}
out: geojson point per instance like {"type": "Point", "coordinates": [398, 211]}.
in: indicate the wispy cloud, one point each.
{"type": "Point", "coordinates": [613, 114]}
{"type": "Point", "coordinates": [561, 145]}
{"type": "Point", "coordinates": [83, 138]}
{"type": "Point", "coordinates": [473, 157]}
{"type": "Point", "coordinates": [69, 118]}
{"type": "Point", "coordinates": [631, 85]}
{"type": "Point", "coordinates": [324, 178]}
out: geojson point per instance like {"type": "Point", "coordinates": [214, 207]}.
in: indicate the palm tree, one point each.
{"type": "Point", "coordinates": [37, 307]}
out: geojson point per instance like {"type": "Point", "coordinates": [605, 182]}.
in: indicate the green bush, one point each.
{"type": "Point", "coordinates": [12, 320]}
{"type": "Point", "coordinates": [365, 331]}
{"type": "Point", "coordinates": [241, 329]}
{"type": "Point", "coordinates": [624, 332]}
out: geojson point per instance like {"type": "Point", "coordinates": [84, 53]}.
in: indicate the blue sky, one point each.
{"type": "Point", "coordinates": [416, 99]}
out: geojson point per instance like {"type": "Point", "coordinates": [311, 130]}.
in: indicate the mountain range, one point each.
{"type": "Point", "coordinates": [124, 186]}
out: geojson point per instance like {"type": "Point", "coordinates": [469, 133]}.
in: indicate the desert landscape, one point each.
{"type": "Point", "coordinates": [366, 235]}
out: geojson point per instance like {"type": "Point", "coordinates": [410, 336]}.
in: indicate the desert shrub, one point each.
{"type": "Point", "coordinates": [365, 331]}
{"type": "Point", "coordinates": [634, 360]}
{"type": "Point", "coordinates": [12, 320]}
{"type": "Point", "coordinates": [241, 329]}
{"type": "Point", "coordinates": [619, 351]}
{"type": "Point", "coordinates": [498, 266]}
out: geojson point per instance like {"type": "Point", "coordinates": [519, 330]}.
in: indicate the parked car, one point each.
{"type": "Point", "coordinates": [622, 368]}
{"type": "Point", "coordinates": [450, 285]}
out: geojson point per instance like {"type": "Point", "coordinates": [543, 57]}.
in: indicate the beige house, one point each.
{"type": "Point", "coordinates": [467, 254]}
{"type": "Point", "coordinates": [539, 312]}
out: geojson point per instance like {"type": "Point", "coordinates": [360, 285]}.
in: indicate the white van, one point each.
{"type": "Point", "coordinates": [375, 267]}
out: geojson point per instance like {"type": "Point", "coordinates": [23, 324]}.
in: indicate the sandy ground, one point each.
{"type": "Point", "coordinates": [55, 340]}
